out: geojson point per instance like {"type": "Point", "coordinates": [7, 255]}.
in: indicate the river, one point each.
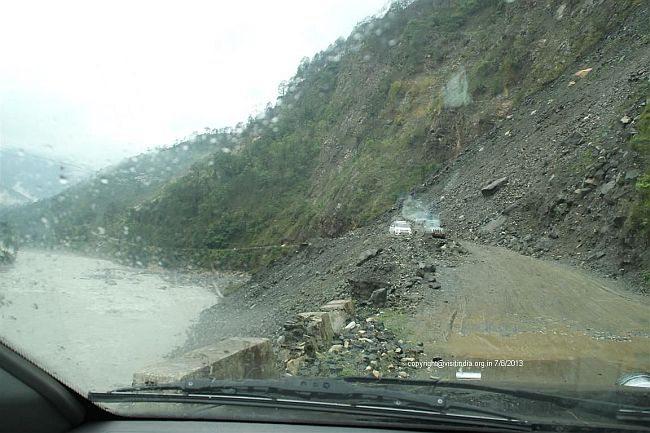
{"type": "Point", "coordinates": [92, 323]}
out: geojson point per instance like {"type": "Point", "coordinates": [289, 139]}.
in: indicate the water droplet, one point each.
{"type": "Point", "coordinates": [101, 230]}
{"type": "Point", "coordinates": [392, 42]}
{"type": "Point", "coordinates": [44, 220]}
{"type": "Point", "coordinates": [185, 147]}
{"type": "Point", "coordinates": [104, 180]}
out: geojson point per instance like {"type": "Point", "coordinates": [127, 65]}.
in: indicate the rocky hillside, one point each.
{"type": "Point", "coordinates": [563, 172]}
{"type": "Point", "coordinates": [365, 120]}
{"type": "Point", "coordinates": [451, 96]}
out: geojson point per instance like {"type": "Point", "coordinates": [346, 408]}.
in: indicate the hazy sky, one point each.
{"type": "Point", "coordinates": [98, 81]}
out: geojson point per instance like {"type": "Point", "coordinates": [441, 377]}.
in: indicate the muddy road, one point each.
{"type": "Point", "coordinates": [547, 321]}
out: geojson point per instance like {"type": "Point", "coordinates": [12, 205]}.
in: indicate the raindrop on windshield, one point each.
{"type": "Point", "coordinates": [104, 180]}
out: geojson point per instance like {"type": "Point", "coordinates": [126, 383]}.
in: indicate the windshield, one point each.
{"type": "Point", "coordinates": [202, 190]}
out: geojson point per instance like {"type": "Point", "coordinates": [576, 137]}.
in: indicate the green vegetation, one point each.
{"type": "Point", "coordinates": [640, 211]}
{"type": "Point", "coordinates": [395, 322]}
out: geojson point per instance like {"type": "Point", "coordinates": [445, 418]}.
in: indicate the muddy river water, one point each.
{"type": "Point", "coordinates": [90, 322]}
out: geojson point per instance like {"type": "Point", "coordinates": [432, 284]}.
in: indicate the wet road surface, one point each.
{"type": "Point", "coordinates": [547, 321]}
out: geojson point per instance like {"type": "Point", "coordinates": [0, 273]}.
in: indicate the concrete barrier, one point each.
{"type": "Point", "coordinates": [318, 325]}
{"type": "Point", "coordinates": [340, 312]}
{"type": "Point", "coordinates": [233, 358]}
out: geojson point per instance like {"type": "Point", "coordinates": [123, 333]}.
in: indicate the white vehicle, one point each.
{"type": "Point", "coordinates": [400, 228]}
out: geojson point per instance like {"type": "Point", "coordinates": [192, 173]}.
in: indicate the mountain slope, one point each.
{"type": "Point", "coordinates": [365, 120]}
{"type": "Point", "coordinates": [86, 214]}
{"type": "Point", "coordinates": [449, 95]}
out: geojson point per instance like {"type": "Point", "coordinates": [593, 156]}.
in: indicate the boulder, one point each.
{"type": "Point", "coordinates": [317, 324]}
{"type": "Point", "coordinates": [606, 188]}
{"type": "Point", "coordinates": [367, 255]}
{"type": "Point", "coordinates": [429, 277]}
{"type": "Point", "coordinates": [493, 225]}
{"type": "Point", "coordinates": [339, 311]}
{"type": "Point", "coordinates": [631, 175]}
{"type": "Point", "coordinates": [492, 187]}
{"type": "Point", "coordinates": [378, 297]}
{"type": "Point", "coordinates": [294, 365]}
{"type": "Point", "coordinates": [233, 358]}
{"type": "Point", "coordinates": [362, 288]}
{"type": "Point", "coordinates": [424, 268]}
{"type": "Point", "coordinates": [340, 304]}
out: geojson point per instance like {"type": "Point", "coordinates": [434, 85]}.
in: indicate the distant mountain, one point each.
{"type": "Point", "coordinates": [93, 207]}
{"type": "Point", "coordinates": [27, 177]}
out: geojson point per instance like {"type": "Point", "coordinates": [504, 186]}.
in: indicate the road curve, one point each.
{"type": "Point", "coordinates": [560, 324]}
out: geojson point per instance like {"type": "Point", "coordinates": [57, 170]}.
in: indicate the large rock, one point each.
{"type": "Point", "coordinates": [631, 175]}
{"type": "Point", "coordinates": [606, 188]}
{"type": "Point", "coordinates": [492, 187]}
{"type": "Point", "coordinates": [378, 297]}
{"type": "Point", "coordinates": [233, 358]}
{"type": "Point", "coordinates": [318, 325]}
{"type": "Point", "coordinates": [367, 255]}
{"type": "Point", "coordinates": [362, 288]}
{"type": "Point", "coordinates": [340, 312]}
{"type": "Point", "coordinates": [424, 268]}
{"type": "Point", "coordinates": [493, 225]}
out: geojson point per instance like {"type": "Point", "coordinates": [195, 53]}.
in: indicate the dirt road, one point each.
{"type": "Point", "coordinates": [558, 324]}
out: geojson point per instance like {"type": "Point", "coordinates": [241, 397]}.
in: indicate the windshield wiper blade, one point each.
{"type": "Point", "coordinates": [622, 412]}
{"type": "Point", "coordinates": [335, 395]}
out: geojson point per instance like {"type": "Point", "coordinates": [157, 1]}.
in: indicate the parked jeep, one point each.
{"type": "Point", "coordinates": [400, 228]}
